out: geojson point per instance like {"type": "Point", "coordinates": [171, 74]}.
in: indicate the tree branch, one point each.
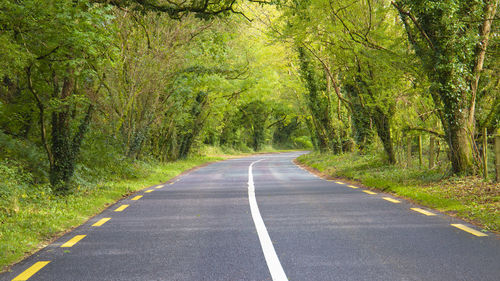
{"type": "Point", "coordinates": [332, 79]}
{"type": "Point", "coordinates": [178, 10]}
{"type": "Point", "coordinates": [41, 120]}
{"type": "Point", "coordinates": [489, 11]}
{"type": "Point", "coordinates": [415, 22]}
{"type": "Point", "coordinates": [438, 134]}
{"type": "Point", "coordinates": [276, 122]}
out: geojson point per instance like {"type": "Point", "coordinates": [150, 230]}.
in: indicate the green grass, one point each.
{"type": "Point", "coordinates": [469, 198]}
{"type": "Point", "coordinates": [42, 217]}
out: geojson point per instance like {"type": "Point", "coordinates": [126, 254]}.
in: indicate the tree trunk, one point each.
{"type": "Point", "coordinates": [65, 148]}
{"type": "Point", "coordinates": [431, 152]}
{"type": "Point", "coordinates": [382, 123]}
{"type": "Point", "coordinates": [485, 153]}
{"type": "Point", "coordinates": [460, 143]}
{"type": "Point", "coordinates": [408, 153]}
{"type": "Point", "coordinates": [318, 104]}
{"type": "Point", "coordinates": [461, 151]}
{"type": "Point", "coordinates": [194, 128]}
{"type": "Point", "coordinates": [497, 156]}
{"type": "Point", "coordinates": [420, 156]}
{"type": "Point", "coordinates": [62, 167]}
{"type": "Point", "coordinates": [321, 137]}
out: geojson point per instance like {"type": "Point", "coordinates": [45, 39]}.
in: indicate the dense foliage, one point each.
{"type": "Point", "coordinates": [88, 88]}
{"type": "Point", "coordinates": [398, 69]}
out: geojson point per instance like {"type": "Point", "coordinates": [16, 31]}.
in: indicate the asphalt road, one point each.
{"type": "Point", "coordinates": [208, 226]}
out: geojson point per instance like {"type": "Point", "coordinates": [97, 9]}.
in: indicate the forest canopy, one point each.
{"type": "Point", "coordinates": [87, 83]}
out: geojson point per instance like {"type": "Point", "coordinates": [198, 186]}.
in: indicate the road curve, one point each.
{"type": "Point", "coordinates": [202, 227]}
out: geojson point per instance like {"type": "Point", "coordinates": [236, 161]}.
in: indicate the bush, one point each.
{"type": "Point", "coordinates": [26, 154]}
{"type": "Point", "coordinates": [101, 159]}
{"type": "Point", "coordinates": [13, 185]}
{"type": "Point", "coordinates": [302, 142]}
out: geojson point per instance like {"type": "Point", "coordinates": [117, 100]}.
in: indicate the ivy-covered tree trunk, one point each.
{"type": "Point", "coordinates": [191, 131]}
{"type": "Point", "coordinates": [459, 135]}
{"type": "Point", "coordinates": [62, 147]}
{"type": "Point", "coordinates": [65, 149]}
{"type": "Point", "coordinates": [382, 123]}
{"type": "Point", "coordinates": [312, 132]}
{"type": "Point", "coordinates": [380, 113]}
{"type": "Point", "coordinates": [361, 120]}
{"type": "Point", "coordinates": [319, 105]}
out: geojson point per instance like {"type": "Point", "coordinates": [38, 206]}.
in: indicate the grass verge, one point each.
{"type": "Point", "coordinates": [43, 218]}
{"type": "Point", "coordinates": [470, 198]}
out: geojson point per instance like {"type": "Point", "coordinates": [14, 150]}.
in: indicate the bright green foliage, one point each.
{"type": "Point", "coordinates": [411, 62]}
{"type": "Point", "coordinates": [62, 43]}
{"type": "Point", "coordinates": [364, 65]}
{"type": "Point", "coordinates": [80, 79]}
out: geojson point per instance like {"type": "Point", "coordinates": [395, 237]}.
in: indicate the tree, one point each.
{"type": "Point", "coordinates": [177, 9]}
{"type": "Point", "coordinates": [59, 45]}
{"type": "Point", "coordinates": [363, 59]}
{"type": "Point", "coordinates": [451, 39]}
{"type": "Point", "coordinates": [318, 103]}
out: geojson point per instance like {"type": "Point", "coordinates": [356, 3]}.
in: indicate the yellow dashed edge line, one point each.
{"type": "Point", "coordinates": [419, 210]}
{"type": "Point", "coordinates": [422, 211]}
{"type": "Point", "coordinates": [121, 208]}
{"type": "Point", "coordinates": [25, 275]}
{"type": "Point", "coordinates": [101, 222]}
{"type": "Point", "coordinates": [391, 200]}
{"type": "Point", "coordinates": [468, 229]}
{"type": "Point", "coordinates": [73, 241]}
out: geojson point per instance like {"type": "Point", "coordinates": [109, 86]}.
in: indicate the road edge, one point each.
{"type": "Point", "coordinates": [325, 176]}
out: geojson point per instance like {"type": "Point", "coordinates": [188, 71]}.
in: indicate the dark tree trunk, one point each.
{"type": "Point", "coordinates": [63, 147]}
{"type": "Point", "coordinates": [65, 150]}
{"type": "Point", "coordinates": [382, 123]}
{"type": "Point", "coordinates": [194, 128]}
{"type": "Point", "coordinates": [361, 120]}
{"type": "Point", "coordinates": [461, 146]}
{"type": "Point", "coordinates": [319, 105]}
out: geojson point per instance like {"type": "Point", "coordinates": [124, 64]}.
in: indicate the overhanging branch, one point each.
{"type": "Point", "coordinates": [432, 132]}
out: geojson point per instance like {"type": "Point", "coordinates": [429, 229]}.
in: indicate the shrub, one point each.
{"type": "Point", "coordinates": [13, 185]}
